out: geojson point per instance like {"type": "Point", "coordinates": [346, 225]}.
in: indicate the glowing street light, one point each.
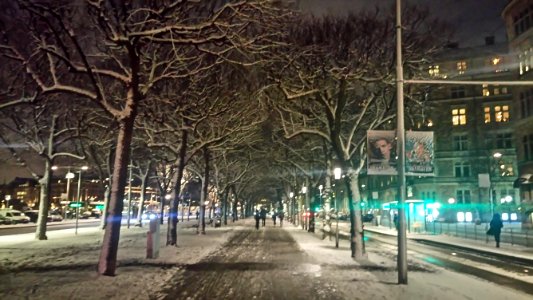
{"type": "Point", "coordinates": [338, 173]}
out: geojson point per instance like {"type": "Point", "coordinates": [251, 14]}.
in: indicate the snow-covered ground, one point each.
{"type": "Point", "coordinates": [64, 267]}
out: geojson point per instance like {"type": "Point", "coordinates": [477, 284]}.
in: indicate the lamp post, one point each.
{"type": "Point", "coordinates": [337, 173]}
{"type": "Point", "coordinates": [320, 187]}
{"type": "Point", "coordinates": [78, 204]}
{"type": "Point", "coordinates": [68, 176]}
{"type": "Point", "coordinates": [305, 207]}
{"type": "Point", "coordinates": [497, 156]}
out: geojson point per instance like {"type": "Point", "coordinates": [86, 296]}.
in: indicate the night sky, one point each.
{"type": "Point", "coordinates": [474, 19]}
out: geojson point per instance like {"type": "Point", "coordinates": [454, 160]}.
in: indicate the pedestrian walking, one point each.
{"type": "Point", "coordinates": [495, 228]}
{"type": "Point", "coordinates": [274, 217]}
{"type": "Point", "coordinates": [280, 216]}
{"type": "Point", "coordinates": [257, 216]}
{"type": "Point", "coordinates": [263, 216]}
{"type": "Point", "coordinates": [396, 222]}
{"type": "Point", "coordinates": [197, 214]}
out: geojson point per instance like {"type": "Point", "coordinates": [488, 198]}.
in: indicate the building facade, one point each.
{"type": "Point", "coordinates": [475, 159]}
{"type": "Point", "coordinates": [518, 17]}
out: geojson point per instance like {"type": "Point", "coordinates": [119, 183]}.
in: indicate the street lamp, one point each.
{"type": "Point", "coordinates": [338, 173]}
{"type": "Point", "coordinates": [78, 200]}
{"type": "Point", "coordinates": [320, 187]}
{"type": "Point", "coordinates": [68, 176]}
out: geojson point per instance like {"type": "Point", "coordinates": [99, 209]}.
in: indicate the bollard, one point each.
{"type": "Point", "coordinates": [152, 240]}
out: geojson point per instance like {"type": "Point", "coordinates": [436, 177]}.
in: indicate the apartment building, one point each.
{"type": "Point", "coordinates": [518, 17]}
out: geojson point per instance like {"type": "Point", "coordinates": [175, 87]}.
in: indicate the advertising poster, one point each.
{"type": "Point", "coordinates": [381, 152]}
{"type": "Point", "coordinates": [419, 153]}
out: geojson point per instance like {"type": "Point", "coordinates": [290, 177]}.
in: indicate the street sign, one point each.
{"type": "Point", "coordinates": [75, 204]}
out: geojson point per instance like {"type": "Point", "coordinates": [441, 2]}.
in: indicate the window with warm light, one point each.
{"type": "Point", "coordinates": [434, 71]}
{"type": "Point", "coordinates": [486, 91]}
{"type": "Point", "coordinates": [496, 113]}
{"type": "Point", "coordinates": [501, 113]}
{"type": "Point", "coordinates": [461, 67]}
{"type": "Point", "coordinates": [459, 116]}
{"type": "Point", "coordinates": [487, 114]}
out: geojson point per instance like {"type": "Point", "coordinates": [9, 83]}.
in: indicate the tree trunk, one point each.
{"type": "Point", "coordinates": [44, 198]}
{"type": "Point", "coordinates": [144, 182]}
{"type": "Point", "coordinates": [108, 256]}
{"type": "Point", "coordinates": [172, 230]}
{"type": "Point", "coordinates": [204, 195]}
{"type": "Point", "coordinates": [356, 237]}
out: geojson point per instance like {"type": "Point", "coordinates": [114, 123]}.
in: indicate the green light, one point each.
{"type": "Point", "coordinates": [75, 204]}
{"type": "Point", "coordinates": [99, 207]}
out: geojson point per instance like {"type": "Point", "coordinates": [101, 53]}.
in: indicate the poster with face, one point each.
{"type": "Point", "coordinates": [419, 153]}
{"type": "Point", "coordinates": [381, 152]}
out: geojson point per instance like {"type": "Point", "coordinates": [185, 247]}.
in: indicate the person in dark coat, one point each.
{"type": "Point", "coordinates": [257, 216]}
{"type": "Point", "coordinates": [495, 228]}
{"type": "Point", "coordinates": [396, 221]}
{"type": "Point", "coordinates": [280, 216]}
{"type": "Point", "coordinates": [274, 217]}
{"type": "Point", "coordinates": [263, 216]}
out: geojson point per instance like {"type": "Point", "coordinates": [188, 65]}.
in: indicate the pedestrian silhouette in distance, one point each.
{"type": "Point", "coordinates": [263, 216]}
{"type": "Point", "coordinates": [274, 217]}
{"type": "Point", "coordinates": [257, 217]}
{"type": "Point", "coordinates": [495, 228]}
{"type": "Point", "coordinates": [280, 216]}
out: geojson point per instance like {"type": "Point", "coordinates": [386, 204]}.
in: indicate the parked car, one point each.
{"type": "Point", "coordinates": [4, 220]}
{"type": "Point", "coordinates": [14, 216]}
{"type": "Point", "coordinates": [368, 218]}
{"type": "Point", "coordinates": [54, 216]}
{"type": "Point", "coordinates": [32, 214]}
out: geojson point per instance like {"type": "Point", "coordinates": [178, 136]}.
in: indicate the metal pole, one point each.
{"type": "Point", "coordinates": [402, 239]}
{"type": "Point", "coordinates": [79, 202]}
{"type": "Point", "coordinates": [129, 195]}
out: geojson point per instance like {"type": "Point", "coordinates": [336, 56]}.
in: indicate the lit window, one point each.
{"type": "Point", "coordinates": [486, 91]}
{"type": "Point", "coordinates": [487, 114]}
{"type": "Point", "coordinates": [495, 61]}
{"type": "Point", "coordinates": [434, 71]}
{"type": "Point", "coordinates": [501, 113]}
{"type": "Point", "coordinates": [459, 116]}
{"type": "Point", "coordinates": [461, 67]}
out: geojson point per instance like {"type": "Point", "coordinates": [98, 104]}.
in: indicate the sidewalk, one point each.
{"type": "Point", "coordinates": [64, 266]}
{"type": "Point", "coordinates": [505, 249]}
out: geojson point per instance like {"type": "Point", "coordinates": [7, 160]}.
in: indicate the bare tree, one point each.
{"type": "Point", "coordinates": [50, 131]}
{"type": "Point", "coordinates": [114, 54]}
{"type": "Point", "coordinates": [337, 82]}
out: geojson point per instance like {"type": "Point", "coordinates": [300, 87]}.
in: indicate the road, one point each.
{"type": "Point", "coordinates": [261, 264]}
{"type": "Point", "coordinates": [50, 226]}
